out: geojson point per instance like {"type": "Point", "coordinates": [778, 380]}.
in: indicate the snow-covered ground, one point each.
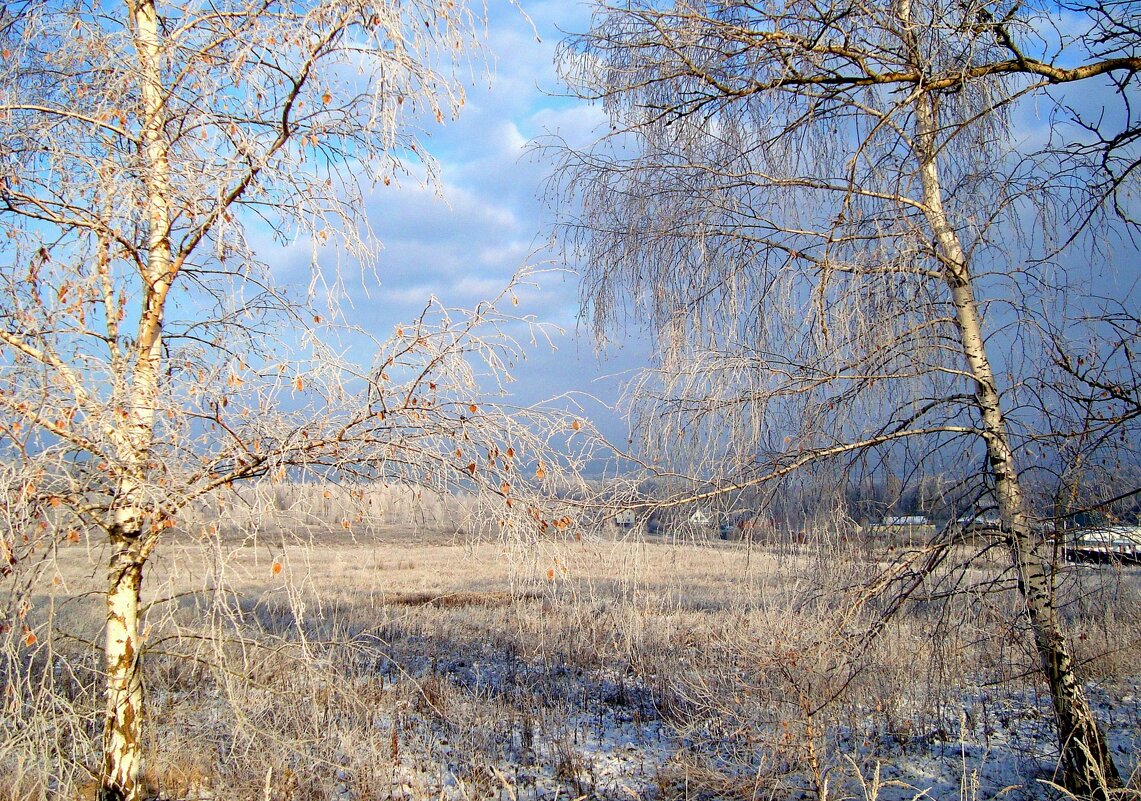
{"type": "Point", "coordinates": [618, 746]}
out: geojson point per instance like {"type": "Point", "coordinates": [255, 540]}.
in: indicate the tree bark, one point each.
{"type": "Point", "coordinates": [1088, 769]}
{"type": "Point", "coordinates": [122, 729]}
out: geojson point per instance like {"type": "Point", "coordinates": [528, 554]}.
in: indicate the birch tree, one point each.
{"type": "Point", "coordinates": [822, 215]}
{"type": "Point", "coordinates": [149, 357]}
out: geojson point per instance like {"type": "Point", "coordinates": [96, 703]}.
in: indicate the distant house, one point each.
{"type": "Point", "coordinates": [681, 522]}
{"type": "Point", "coordinates": [905, 520]}
{"type": "Point", "coordinates": [1105, 543]}
{"type": "Point", "coordinates": [625, 519]}
{"type": "Point", "coordinates": [902, 529]}
{"type": "Point", "coordinates": [979, 520]}
{"type": "Point", "coordinates": [701, 518]}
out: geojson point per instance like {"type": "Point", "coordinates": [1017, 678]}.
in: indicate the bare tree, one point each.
{"type": "Point", "coordinates": [820, 212]}
{"type": "Point", "coordinates": [149, 358]}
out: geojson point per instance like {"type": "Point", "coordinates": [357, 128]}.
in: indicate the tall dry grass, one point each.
{"type": "Point", "coordinates": [290, 661]}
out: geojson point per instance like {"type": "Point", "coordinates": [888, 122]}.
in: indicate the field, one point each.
{"type": "Point", "coordinates": [411, 664]}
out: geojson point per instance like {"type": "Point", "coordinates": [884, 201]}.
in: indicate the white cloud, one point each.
{"type": "Point", "coordinates": [463, 240]}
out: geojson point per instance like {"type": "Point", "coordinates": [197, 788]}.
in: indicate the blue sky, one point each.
{"type": "Point", "coordinates": [462, 239]}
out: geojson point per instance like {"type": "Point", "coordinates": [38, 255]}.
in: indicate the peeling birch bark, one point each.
{"type": "Point", "coordinates": [122, 729]}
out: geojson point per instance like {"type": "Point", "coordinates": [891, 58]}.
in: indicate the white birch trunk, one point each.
{"type": "Point", "coordinates": [123, 727]}
{"type": "Point", "coordinates": [122, 731]}
{"type": "Point", "coordinates": [1088, 767]}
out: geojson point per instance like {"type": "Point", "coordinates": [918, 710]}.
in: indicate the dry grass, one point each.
{"type": "Point", "coordinates": [418, 667]}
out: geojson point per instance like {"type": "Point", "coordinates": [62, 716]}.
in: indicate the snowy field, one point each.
{"type": "Point", "coordinates": [415, 667]}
